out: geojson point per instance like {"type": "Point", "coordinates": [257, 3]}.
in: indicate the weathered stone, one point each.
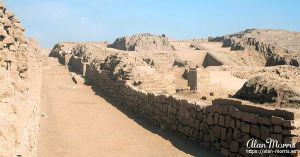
{"type": "Point", "coordinates": [8, 40]}
{"type": "Point", "coordinates": [265, 132]}
{"type": "Point", "coordinates": [216, 118]}
{"type": "Point", "coordinates": [277, 129]}
{"type": "Point", "coordinates": [232, 123]}
{"type": "Point", "coordinates": [235, 112]}
{"type": "Point", "coordinates": [255, 131]}
{"type": "Point", "coordinates": [221, 120]}
{"type": "Point", "coordinates": [210, 120]}
{"type": "Point", "coordinates": [276, 120]}
{"type": "Point", "coordinates": [234, 146]}
{"type": "Point", "coordinates": [245, 127]}
{"type": "Point", "coordinates": [249, 117]}
{"type": "Point", "coordinates": [224, 151]}
{"type": "Point", "coordinates": [264, 121]}
{"type": "Point", "coordinates": [227, 121]}
{"type": "Point", "coordinates": [223, 133]}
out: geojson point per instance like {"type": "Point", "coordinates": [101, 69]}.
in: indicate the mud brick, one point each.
{"type": "Point", "coordinates": [276, 120]}
{"type": "Point", "coordinates": [215, 108]}
{"type": "Point", "coordinates": [211, 136]}
{"type": "Point", "coordinates": [225, 110]}
{"type": "Point", "coordinates": [234, 146]}
{"type": "Point", "coordinates": [206, 138]}
{"type": "Point", "coordinates": [232, 123]}
{"type": "Point", "coordinates": [217, 145]}
{"type": "Point", "coordinates": [245, 127]}
{"type": "Point", "coordinates": [255, 131]}
{"type": "Point", "coordinates": [227, 121]}
{"type": "Point", "coordinates": [264, 132]}
{"type": "Point", "coordinates": [246, 138]}
{"type": "Point", "coordinates": [210, 120]}
{"type": "Point", "coordinates": [235, 112]}
{"type": "Point", "coordinates": [288, 123]}
{"type": "Point", "coordinates": [224, 151]}
{"type": "Point", "coordinates": [264, 121]}
{"type": "Point", "coordinates": [221, 120]}
{"type": "Point", "coordinates": [219, 109]}
{"type": "Point", "coordinates": [229, 135]}
{"type": "Point", "coordinates": [238, 124]}
{"type": "Point", "coordinates": [237, 135]}
{"type": "Point", "coordinates": [277, 129]}
{"type": "Point", "coordinates": [216, 118]}
{"type": "Point", "coordinates": [249, 117]}
{"type": "Point", "coordinates": [293, 132]}
{"type": "Point", "coordinates": [224, 144]}
{"type": "Point", "coordinates": [223, 133]}
{"type": "Point", "coordinates": [217, 130]}
{"type": "Point", "coordinates": [277, 137]}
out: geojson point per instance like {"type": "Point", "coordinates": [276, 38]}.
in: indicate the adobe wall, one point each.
{"type": "Point", "coordinates": [225, 126]}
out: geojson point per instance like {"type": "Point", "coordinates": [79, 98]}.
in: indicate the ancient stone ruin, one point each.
{"type": "Point", "coordinates": [218, 95]}
{"type": "Point", "coordinates": [140, 42]}
{"type": "Point", "coordinates": [218, 92]}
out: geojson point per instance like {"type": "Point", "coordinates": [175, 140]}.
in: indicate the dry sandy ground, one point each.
{"type": "Point", "coordinates": [78, 123]}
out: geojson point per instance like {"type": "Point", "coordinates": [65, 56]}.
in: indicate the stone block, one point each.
{"type": "Point", "coordinates": [234, 146]}
{"type": "Point", "coordinates": [222, 120]}
{"type": "Point", "coordinates": [227, 121]}
{"type": "Point", "coordinates": [277, 129]}
{"type": "Point", "coordinates": [264, 120]}
{"type": "Point", "coordinates": [210, 120]}
{"type": "Point", "coordinates": [276, 120]}
{"type": "Point", "coordinates": [249, 117]}
{"type": "Point", "coordinates": [217, 130]}
{"type": "Point", "coordinates": [255, 131]}
{"type": "Point", "coordinates": [235, 112]}
{"type": "Point", "coordinates": [232, 123]}
{"type": "Point", "coordinates": [245, 127]}
{"type": "Point", "coordinates": [225, 110]}
{"type": "Point", "coordinates": [223, 133]}
{"type": "Point", "coordinates": [264, 132]}
{"type": "Point", "coordinates": [224, 151]}
{"type": "Point", "coordinates": [216, 118]}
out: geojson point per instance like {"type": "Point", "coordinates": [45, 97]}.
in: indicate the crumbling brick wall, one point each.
{"type": "Point", "coordinates": [226, 126]}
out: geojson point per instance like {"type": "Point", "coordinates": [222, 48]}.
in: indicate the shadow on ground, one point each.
{"type": "Point", "coordinates": [180, 142]}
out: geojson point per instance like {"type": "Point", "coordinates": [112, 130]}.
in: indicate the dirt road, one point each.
{"type": "Point", "coordinates": [78, 123]}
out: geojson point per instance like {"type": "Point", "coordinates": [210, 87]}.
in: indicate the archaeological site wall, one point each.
{"type": "Point", "coordinates": [225, 126]}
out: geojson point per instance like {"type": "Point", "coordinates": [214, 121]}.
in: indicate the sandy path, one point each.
{"type": "Point", "coordinates": [78, 123]}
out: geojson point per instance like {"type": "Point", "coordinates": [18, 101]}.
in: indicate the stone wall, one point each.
{"type": "Point", "coordinates": [20, 87]}
{"type": "Point", "coordinates": [225, 126]}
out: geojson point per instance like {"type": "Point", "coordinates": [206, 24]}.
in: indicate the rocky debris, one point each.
{"type": "Point", "coordinates": [61, 49]}
{"type": "Point", "coordinates": [279, 47]}
{"type": "Point", "coordinates": [140, 42]}
{"type": "Point", "coordinates": [268, 89]}
{"type": "Point", "coordinates": [197, 46]}
{"type": "Point", "coordinates": [89, 51]}
{"type": "Point", "coordinates": [121, 65]}
{"type": "Point", "coordinates": [20, 82]}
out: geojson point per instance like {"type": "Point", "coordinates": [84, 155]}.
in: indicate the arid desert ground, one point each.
{"type": "Point", "coordinates": [148, 95]}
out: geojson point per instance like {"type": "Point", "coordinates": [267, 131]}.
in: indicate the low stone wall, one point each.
{"type": "Point", "coordinates": [226, 126]}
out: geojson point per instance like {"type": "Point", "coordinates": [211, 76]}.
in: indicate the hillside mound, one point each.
{"type": "Point", "coordinates": [280, 47]}
{"type": "Point", "coordinates": [270, 90]}
{"type": "Point", "coordinates": [140, 42]}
